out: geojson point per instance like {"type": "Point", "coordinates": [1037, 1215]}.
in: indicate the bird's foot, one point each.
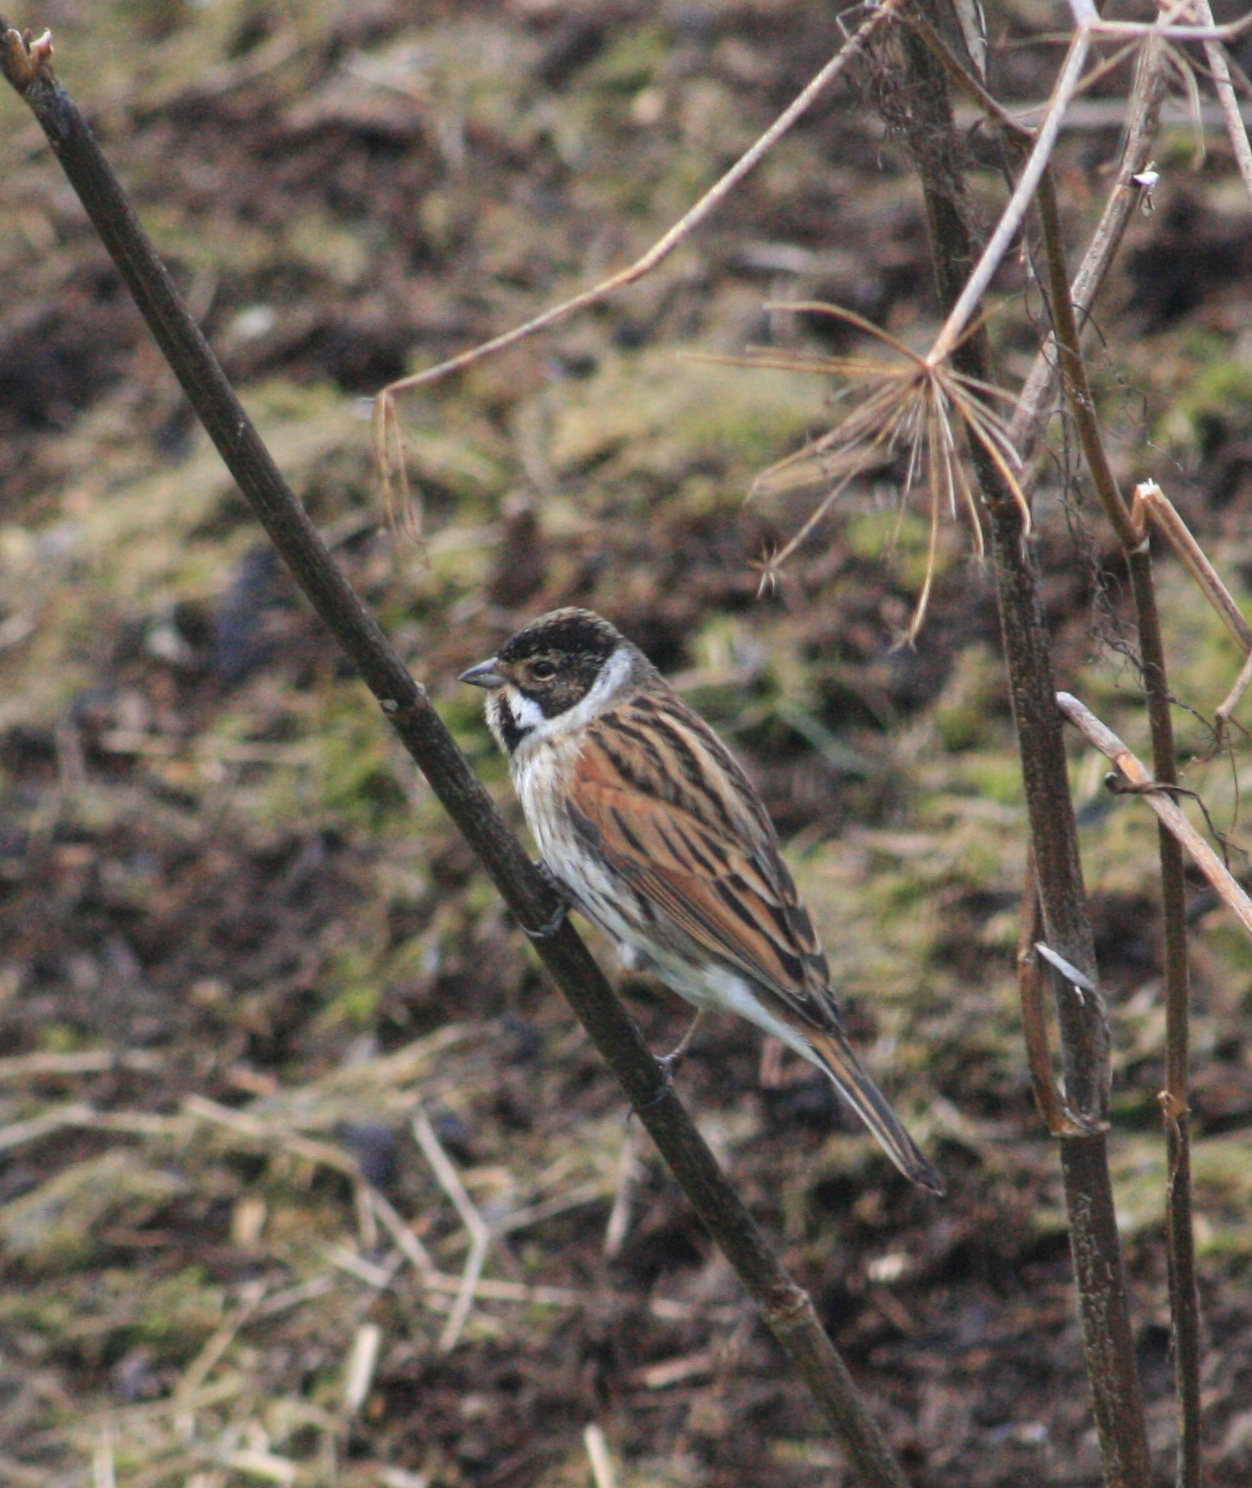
{"type": "Point", "coordinates": [552, 926]}
{"type": "Point", "coordinates": [669, 1062]}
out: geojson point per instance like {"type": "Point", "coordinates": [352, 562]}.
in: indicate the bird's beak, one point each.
{"type": "Point", "coordinates": [485, 674]}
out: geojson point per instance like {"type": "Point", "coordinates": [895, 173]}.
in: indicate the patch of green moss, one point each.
{"type": "Point", "coordinates": [351, 983]}
{"type": "Point", "coordinates": [177, 1312]}
{"type": "Point", "coordinates": [659, 413]}
{"type": "Point", "coordinates": [1220, 1170]}
{"type": "Point", "coordinates": [1229, 941]}
{"type": "Point", "coordinates": [1214, 409]}
{"type": "Point", "coordinates": [997, 777]}
{"type": "Point", "coordinates": [966, 715]}
{"type": "Point", "coordinates": [901, 538]}
{"type": "Point", "coordinates": [631, 61]}
{"type": "Point", "coordinates": [58, 1038]}
{"type": "Point", "coordinates": [353, 770]}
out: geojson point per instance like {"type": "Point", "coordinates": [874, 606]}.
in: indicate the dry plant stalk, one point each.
{"type": "Point", "coordinates": [388, 432]}
{"type": "Point", "coordinates": [925, 121]}
{"type": "Point", "coordinates": [1151, 503]}
{"type": "Point", "coordinates": [1124, 1449]}
{"type": "Point", "coordinates": [480, 1235]}
{"type": "Point", "coordinates": [907, 404]}
{"type": "Point", "coordinates": [1133, 535]}
{"type": "Point", "coordinates": [1139, 781]}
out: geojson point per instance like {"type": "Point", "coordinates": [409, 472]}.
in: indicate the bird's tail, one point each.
{"type": "Point", "coordinates": [836, 1056]}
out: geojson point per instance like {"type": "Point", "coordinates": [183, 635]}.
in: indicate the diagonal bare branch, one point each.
{"type": "Point", "coordinates": [1219, 65]}
{"type": "Point", "coordinates": [783, 1306]}
{"type": "Point", "coordinates": [1019, 204]}
{"type": "Point", "coordinates": [1161, 801]}
{"type": "Point", "coordinates": [388, 437]}
{"type": "Point", "coordinates": [1149, 499]}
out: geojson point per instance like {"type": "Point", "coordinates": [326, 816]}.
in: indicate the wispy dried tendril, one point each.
{"type": "Point", "coordinates": [906, 406]}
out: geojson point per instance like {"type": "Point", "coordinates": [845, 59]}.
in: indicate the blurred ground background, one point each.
{"type": "Point", "coordinates": [239, 941]}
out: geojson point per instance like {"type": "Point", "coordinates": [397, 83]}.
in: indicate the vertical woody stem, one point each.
{"type": "Point", "coordinates": [1134, 536]}
{"type": "Point", "coordinates": [1179, 1233]}
{"type": "Point", "coordinates": [924, 115]}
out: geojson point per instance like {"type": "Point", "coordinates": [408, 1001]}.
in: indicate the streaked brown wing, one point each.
{"type": "Point", "coordinates": [659, 796]}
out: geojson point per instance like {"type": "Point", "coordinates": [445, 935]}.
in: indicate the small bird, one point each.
{"type": "Point", "coordinates": [655, 833]}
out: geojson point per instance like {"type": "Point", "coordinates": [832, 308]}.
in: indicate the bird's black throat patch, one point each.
{"type": "Point", "coordinates": [511, 732]}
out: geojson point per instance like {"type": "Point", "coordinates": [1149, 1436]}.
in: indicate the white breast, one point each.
{"type": "Point", "coordinates": [542, 769]}
{"type": "Point", "coordinates": [543, 764]}
{"type": "Point", "coordinates": [540, 777]}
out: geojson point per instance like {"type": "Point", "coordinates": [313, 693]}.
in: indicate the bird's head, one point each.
{"type": "Point", "coordinates": [559, 671]}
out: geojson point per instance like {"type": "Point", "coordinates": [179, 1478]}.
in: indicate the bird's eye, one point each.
{"type": "Point", "coordinates": [542, 670]}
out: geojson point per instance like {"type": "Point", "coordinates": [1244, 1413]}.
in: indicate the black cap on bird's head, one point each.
{"type": "Point", "coordinates": [553, 662]}
{"type": "Point", "coordinates": [569, 634]}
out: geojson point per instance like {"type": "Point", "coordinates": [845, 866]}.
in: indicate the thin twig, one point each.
{"type": "Point", "coordinates": [387, 437]}
{"type": "Point", "coordinates": [210, 1355]}
{"type": "Point", "coordinates": [591, 1192]}
{"type": "Point", "coordinates": [1150, 499]}
{"type": "Point", "coordinates": [87, 1062]}
{"type": "Point", "coordinates": [1074, 379]}
{"type": "Point", "coordinates": [1179, 1227]}
{"type": "Point", "coordinates": [378, 1277]}
{"type": "Point", "coordinates": [480, 1235]}
{"type": "Point", "coordinates": [666, 244]}
{"type": "Point", "coordinates": [35, 1128]}
{"type": "Point", "coordinates": [410, 1246]}
{"type": "Point", "coordinates": [1151, 31]}
{"type": "Point", "coordinates": [1161, 801]}
{"type": "Point", "coordinates": [1215, 54]}
{"type": "Point", "coordinates": [1035, 401]}
{"type": "Point", "coordinates": [974, 87]}
{"type": "Point", "coordinates": [1225, 709]}
{"type": "Point", "coordinates": [495, 1291]}
{"type": "Point", "coordinates": [441, 1285]}
{"type": "Point", "coordinates": [976, 285]}
{"type": "Point", "coordinates": [783, 1306]}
